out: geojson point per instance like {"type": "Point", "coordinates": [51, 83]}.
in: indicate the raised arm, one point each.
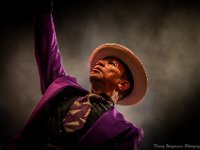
{"type": "Point", "coordinates": [47, 53]}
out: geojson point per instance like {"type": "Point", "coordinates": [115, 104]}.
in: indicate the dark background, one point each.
{"type": "Point", "coordinates": [164, 34]}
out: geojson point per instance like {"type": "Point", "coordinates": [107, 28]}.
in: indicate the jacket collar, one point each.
{"type": "Point", "coordinates": [59, 85]}
{"type": "Point", "coordinates": [106, 127]}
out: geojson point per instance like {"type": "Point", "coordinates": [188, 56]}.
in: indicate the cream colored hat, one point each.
{"type": "Point", "coordinates": [132, 61]}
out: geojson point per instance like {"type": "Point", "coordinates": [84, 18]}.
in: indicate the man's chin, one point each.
{"type": "Point", "coordinates": [95, 78]}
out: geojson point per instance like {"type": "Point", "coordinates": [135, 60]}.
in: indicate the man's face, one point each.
{"type": "Point", "coordinates": [107, 71]}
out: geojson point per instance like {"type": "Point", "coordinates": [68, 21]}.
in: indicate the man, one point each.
{"type": "Point", "coordinates": [70, 117]}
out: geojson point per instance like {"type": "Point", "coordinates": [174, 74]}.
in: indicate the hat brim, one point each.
{"type": "Point", "coordinates": [132, 61]}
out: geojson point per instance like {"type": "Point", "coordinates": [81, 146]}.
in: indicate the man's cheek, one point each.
{"type": "Point", "coordinates": [111, 76]}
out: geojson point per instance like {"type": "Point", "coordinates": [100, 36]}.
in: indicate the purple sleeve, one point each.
{"type": "Point", "coordinates": [47, 53]}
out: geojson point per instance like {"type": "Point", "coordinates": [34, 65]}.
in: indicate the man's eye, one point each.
{"type": "Point", "coordinates": [113, 63]}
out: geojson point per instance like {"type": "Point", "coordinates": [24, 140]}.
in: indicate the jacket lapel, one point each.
{"type": "Point", "coordinates": [55, 88]}
{"type": "Point", "coordinates": [106, 127]}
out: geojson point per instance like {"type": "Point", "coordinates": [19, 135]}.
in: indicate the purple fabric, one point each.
{"type": "Point", "coordinates": [47, 51]}
{"type": "Point", "coordinates": [55, 88]}
{"type": "Point", "coordinates": [110, 125]}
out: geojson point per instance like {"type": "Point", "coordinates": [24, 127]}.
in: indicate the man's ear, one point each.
{"type": "Point", "coordinates": [123, 85]}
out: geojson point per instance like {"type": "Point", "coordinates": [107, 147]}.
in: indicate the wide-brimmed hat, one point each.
{"type": "Point", "coordinates": [134, 64]}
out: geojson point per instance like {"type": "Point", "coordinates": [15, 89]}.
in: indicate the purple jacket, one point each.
{"type": "Point", "coordinates": [54, 80]}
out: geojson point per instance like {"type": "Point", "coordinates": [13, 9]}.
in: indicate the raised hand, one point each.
{"type": "Point", "coordinates": [42, 6]}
